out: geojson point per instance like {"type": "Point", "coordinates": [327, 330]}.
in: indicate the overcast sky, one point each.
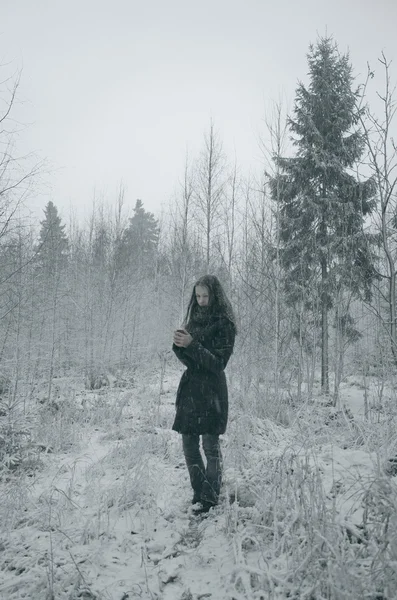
{"type": "Point", "coordinates": [117, 90]}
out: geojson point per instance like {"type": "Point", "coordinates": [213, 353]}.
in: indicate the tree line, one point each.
{"type": "Point", "coordinates": [306, 250]}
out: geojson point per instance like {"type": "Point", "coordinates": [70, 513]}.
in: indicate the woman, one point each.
{"type": "Point", "coordinates": [204, 346]}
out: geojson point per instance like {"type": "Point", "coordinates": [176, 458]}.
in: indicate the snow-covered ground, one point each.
{"type": "Point", "coordinates": [107, 513]}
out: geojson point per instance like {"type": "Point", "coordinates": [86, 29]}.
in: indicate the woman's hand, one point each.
{"type": "Point", "coordinates": [182, 338]}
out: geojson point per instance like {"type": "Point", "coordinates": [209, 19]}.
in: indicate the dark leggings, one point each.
{"type": "Point", "coordinates": [206, 482]}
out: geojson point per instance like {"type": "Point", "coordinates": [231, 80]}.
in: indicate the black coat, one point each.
{"type": "Point", "coordinates": [202, 396]}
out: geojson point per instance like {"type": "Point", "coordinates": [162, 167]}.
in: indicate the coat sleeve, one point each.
{"type": "Point", "coordinates": [180, 354]}
{"type": "Point", "coordinates": [216, 359]}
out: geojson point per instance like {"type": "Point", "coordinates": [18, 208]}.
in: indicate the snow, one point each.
{"type": "Point", "coordinates": [110, 517]}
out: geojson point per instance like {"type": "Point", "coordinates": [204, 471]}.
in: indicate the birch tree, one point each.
{"type": "Point", "coordinates": [181, 258]}
{"type": "Point", "coordinates": [209, 188]}
{"type": "Point", "coordinates": [382, 160]}
{"type": "Point", "coordinates": [18, 174]}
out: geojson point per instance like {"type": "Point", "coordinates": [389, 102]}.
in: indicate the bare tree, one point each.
{"type": "Point", "coordinates": [276, 125]}
{"type": "Point", "coordinates": [183, 251]}
{"type": "Point", "coordinates": [17, 173]}
{"type": "Point", "coordinates": [185, 210]}
{"type": "Point", "coordinates": [209, 187]}
{"type": "Point", "coordinates": [382, 154]}
{"type": "Point", "coordinates": [230, 224]}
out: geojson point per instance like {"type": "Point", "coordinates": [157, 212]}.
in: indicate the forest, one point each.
{"type": "Point", "coordinates": [93, 487]}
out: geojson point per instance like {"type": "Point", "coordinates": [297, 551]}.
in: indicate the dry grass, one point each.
{"type": "Point", "coordinates": [300, 525]}
{"type": "Point", "coordinates": [290, 538]}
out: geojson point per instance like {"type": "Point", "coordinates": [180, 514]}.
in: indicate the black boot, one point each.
{"type": "Point", "coordinates": [204, 508]}
{"type": "Point", "coordinates": [196, 498]}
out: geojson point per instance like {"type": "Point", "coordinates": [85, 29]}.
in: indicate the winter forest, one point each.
{"type": "Point", "coordinates": [94, 492]}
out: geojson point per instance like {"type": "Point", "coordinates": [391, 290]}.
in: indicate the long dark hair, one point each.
{"type": "Point", "coordinates": [218, 304]}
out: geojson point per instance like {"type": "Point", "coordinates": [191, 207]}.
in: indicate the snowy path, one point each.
{"type": "Point", "coordinates": [112, 522]}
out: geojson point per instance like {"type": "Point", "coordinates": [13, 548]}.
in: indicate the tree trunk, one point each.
{"type": "Point", "coordinates": [53, 333]}
{"type": "Point", "coordinates": [300, 364]}
{"type": "Point", "coordinates": [324, 298]}
{"type": "Point", "coordinates": [392, 305]}
{"type": "Point", "coordinates": [324, 332]}
{"type": "Point", "coordinates": [392, 291]}
{"type": "Point", "coordinates": [339, 353]}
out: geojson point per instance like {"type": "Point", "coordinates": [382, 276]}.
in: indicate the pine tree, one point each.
{"type": "Point", "coordinates": [53, 247]}
{"type": "Point", "coordinates": [322, 204]}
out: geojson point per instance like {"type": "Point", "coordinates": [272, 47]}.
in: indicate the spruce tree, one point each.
{"type": "Point", "coordinates": [53, 309]}
{"type": "Point", "coordinates": [100, 247]}
{"type": "Point", "coordinates": [322, 204]}
{"type": "Point", "coordinates": [52, 249]}
{"type": "Point", "coordinates": [138, 246]}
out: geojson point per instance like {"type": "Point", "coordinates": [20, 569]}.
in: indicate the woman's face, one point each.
{"type": "Point", "coordinates": [202, 295]}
